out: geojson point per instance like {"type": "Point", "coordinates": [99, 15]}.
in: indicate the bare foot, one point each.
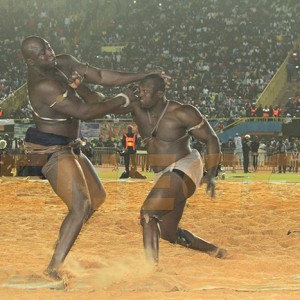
{"type": "Point", "coordinates": [52, 274]}
{"type": "Point", "coordinates": [218, 253]}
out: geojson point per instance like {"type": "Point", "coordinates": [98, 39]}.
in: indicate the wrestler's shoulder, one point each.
{"type": "Point", "coordinates": [183, 108]}
{"type": "Point", "coordinates": [175, 104]}
{"type": "Point", "coordinates": [66, 62]}
{"type": "Point", "coordinates": [61, 58]}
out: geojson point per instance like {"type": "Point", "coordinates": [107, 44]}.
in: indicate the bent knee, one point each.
{"type": "Point", "coordinates": [82, 211]}
{"type": "Point", "coordinates": [150, 212]}
{"type": "Point", "coordinates": [147, 218]}
{"type": "Point", "coordinates": [98, 200]}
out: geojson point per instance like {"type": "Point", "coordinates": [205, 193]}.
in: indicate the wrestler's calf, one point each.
{"type": "Point", "coordinates": [151, 235]}
{"type": "Point", "coordinates": [189, 240]}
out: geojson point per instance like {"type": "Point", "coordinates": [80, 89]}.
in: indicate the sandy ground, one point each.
{"type": "Point", "coordinates": [250, 220]}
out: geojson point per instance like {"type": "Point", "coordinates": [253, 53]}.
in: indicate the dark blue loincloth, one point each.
{"type": "Point", "coordinates": [36, 161]}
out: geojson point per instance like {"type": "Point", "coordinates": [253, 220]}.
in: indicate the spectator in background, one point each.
{"type": "Point", "coordinates": [295, 143]}
{"type": "Point", "coordinates": [3, 144]}
{"type": "Point", "coordinates": [86, 148]}
{"type": "Point", "coordinates": [7, 163]}
{"type": "Point", "coordinates": [277, 111]}
{"type": "Point", "coordinates": [281, 156]}
{"type": "Point", "coordinates": [129, 144]}
{"type": "Point", "coordinates": [246, 147]}
{"type": "Point", "coordinates": [262, 153]}
{"type": "Point", "coordinates": [109, 143]}
{"type": "Point", "coordinates": [259, 111]}
{"type": "Point", "coordinates": [254, 146]}
{"type": "Point", "coordinates": [288, 148]}
{"type": "Point", "coordinates": [266, 111]}
{"type": "Point", "coordinates": [294, 161]}
{"type": "Point", "coordinates": [238, 151]}
{"type": "Point", "coordinates": [9, 141]}
{"type": "Point", "coordinates": [271, 111]}
{"type": "Point", "coordinates": [287, 145]}
{"type": "Point", "coordinates": [253, 111]}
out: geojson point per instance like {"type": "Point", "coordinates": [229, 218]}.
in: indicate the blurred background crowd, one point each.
{"type": "Point", "coordinates": [221, 54]}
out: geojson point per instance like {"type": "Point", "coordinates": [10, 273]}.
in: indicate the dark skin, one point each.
{"type": "Point", "coordinates": [163, 208]}
{"type": "Point", "coordinates": [74, 179]}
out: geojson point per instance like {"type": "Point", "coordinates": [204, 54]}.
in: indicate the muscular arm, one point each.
{"type": "Point", "coordinates": [88, 95]}
{"type": "Point", "coordinates": [112, 78]}
{"type": "Point", "coordinates": [98, 76]}
{"type": "Point", "coordinates": [72, 105]}
{"type": "Point", "coordinates": [191, 117]}
{"type": "Point", "coordinates": [94, 97]}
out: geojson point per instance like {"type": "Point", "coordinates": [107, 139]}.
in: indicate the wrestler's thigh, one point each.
{"type": "Point", "coordinates": [167, 193]}
{"type": "Point", "coordinates": [167, 201]}
{"type": "Point", "coordinates": [95, 187]}
{"type": "Point", "coordinates": [66, 177]}
{"type": "Point", "coordinates": [169, 222]}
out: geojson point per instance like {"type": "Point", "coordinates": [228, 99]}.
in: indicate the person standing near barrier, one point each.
{"type": "Point", "coordinates": [166, 128]}
{"type": "Point", "coordinates": [262, 153]}
{"type": "Point", "coordinates": [129, 143]}
{"type": "Point", "coordinates": [7, 163]}
{"type": "Point", "coordinates": [238, 150]}
{"type": "Point", "coordinates": [86, 148]}
{"type": "Point", "coordinates": [281, 156]}
{"type": "Point", "coordinates": [246, 142]}
{"type": "Point", "coordinates": [59, 100]}
{"type": "Point", "coordinates": [254, 146]}
{"type": "Point", "coordinates": [294, 160]}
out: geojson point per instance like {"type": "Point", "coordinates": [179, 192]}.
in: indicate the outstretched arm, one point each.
{"type": "Point", "coordinates": [67, 102]}
{"type": "Point", "coordinates": [103, 77]}
{"type": "Point", "coordinates": [88, 95]}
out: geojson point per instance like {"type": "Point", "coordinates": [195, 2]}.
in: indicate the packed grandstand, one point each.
{"type": "Point", "coordinates": [222, 55]}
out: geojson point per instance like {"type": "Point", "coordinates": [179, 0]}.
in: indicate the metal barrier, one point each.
{"type": "Point", "coordinates": [108, 157]}
{"type": "Point", "coordinates": [268, 161]}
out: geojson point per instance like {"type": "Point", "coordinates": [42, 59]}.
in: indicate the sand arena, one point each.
{"type": "Point", "coordinates": [250, 220]}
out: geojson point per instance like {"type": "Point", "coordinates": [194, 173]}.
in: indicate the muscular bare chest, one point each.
{"type": "Point", "coordinates": [163, 134]}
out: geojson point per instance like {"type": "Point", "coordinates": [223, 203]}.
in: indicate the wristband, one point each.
{"type": "Point", "coordinates": [127, 102]}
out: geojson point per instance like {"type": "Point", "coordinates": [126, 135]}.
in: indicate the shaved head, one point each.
{"type": "Point", "coordinates": [37, 52]}
{"type": "Point", "coordinates": [156, 80]}
{"type": "Point", "coordinates": [29, 45]}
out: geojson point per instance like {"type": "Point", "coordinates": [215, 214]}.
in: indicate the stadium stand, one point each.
{"type": "Point", "coordinates": [225, 57]}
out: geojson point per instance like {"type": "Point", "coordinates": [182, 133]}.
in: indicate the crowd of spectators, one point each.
{"type": "Point", "coordinates": [292, 107]}
{"type": "Point", "coordinates": [58, 21]}
{"type": "Point", "coordinates": [281, 154]}
{"type": "Point", "coordinates": [221, 54]}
